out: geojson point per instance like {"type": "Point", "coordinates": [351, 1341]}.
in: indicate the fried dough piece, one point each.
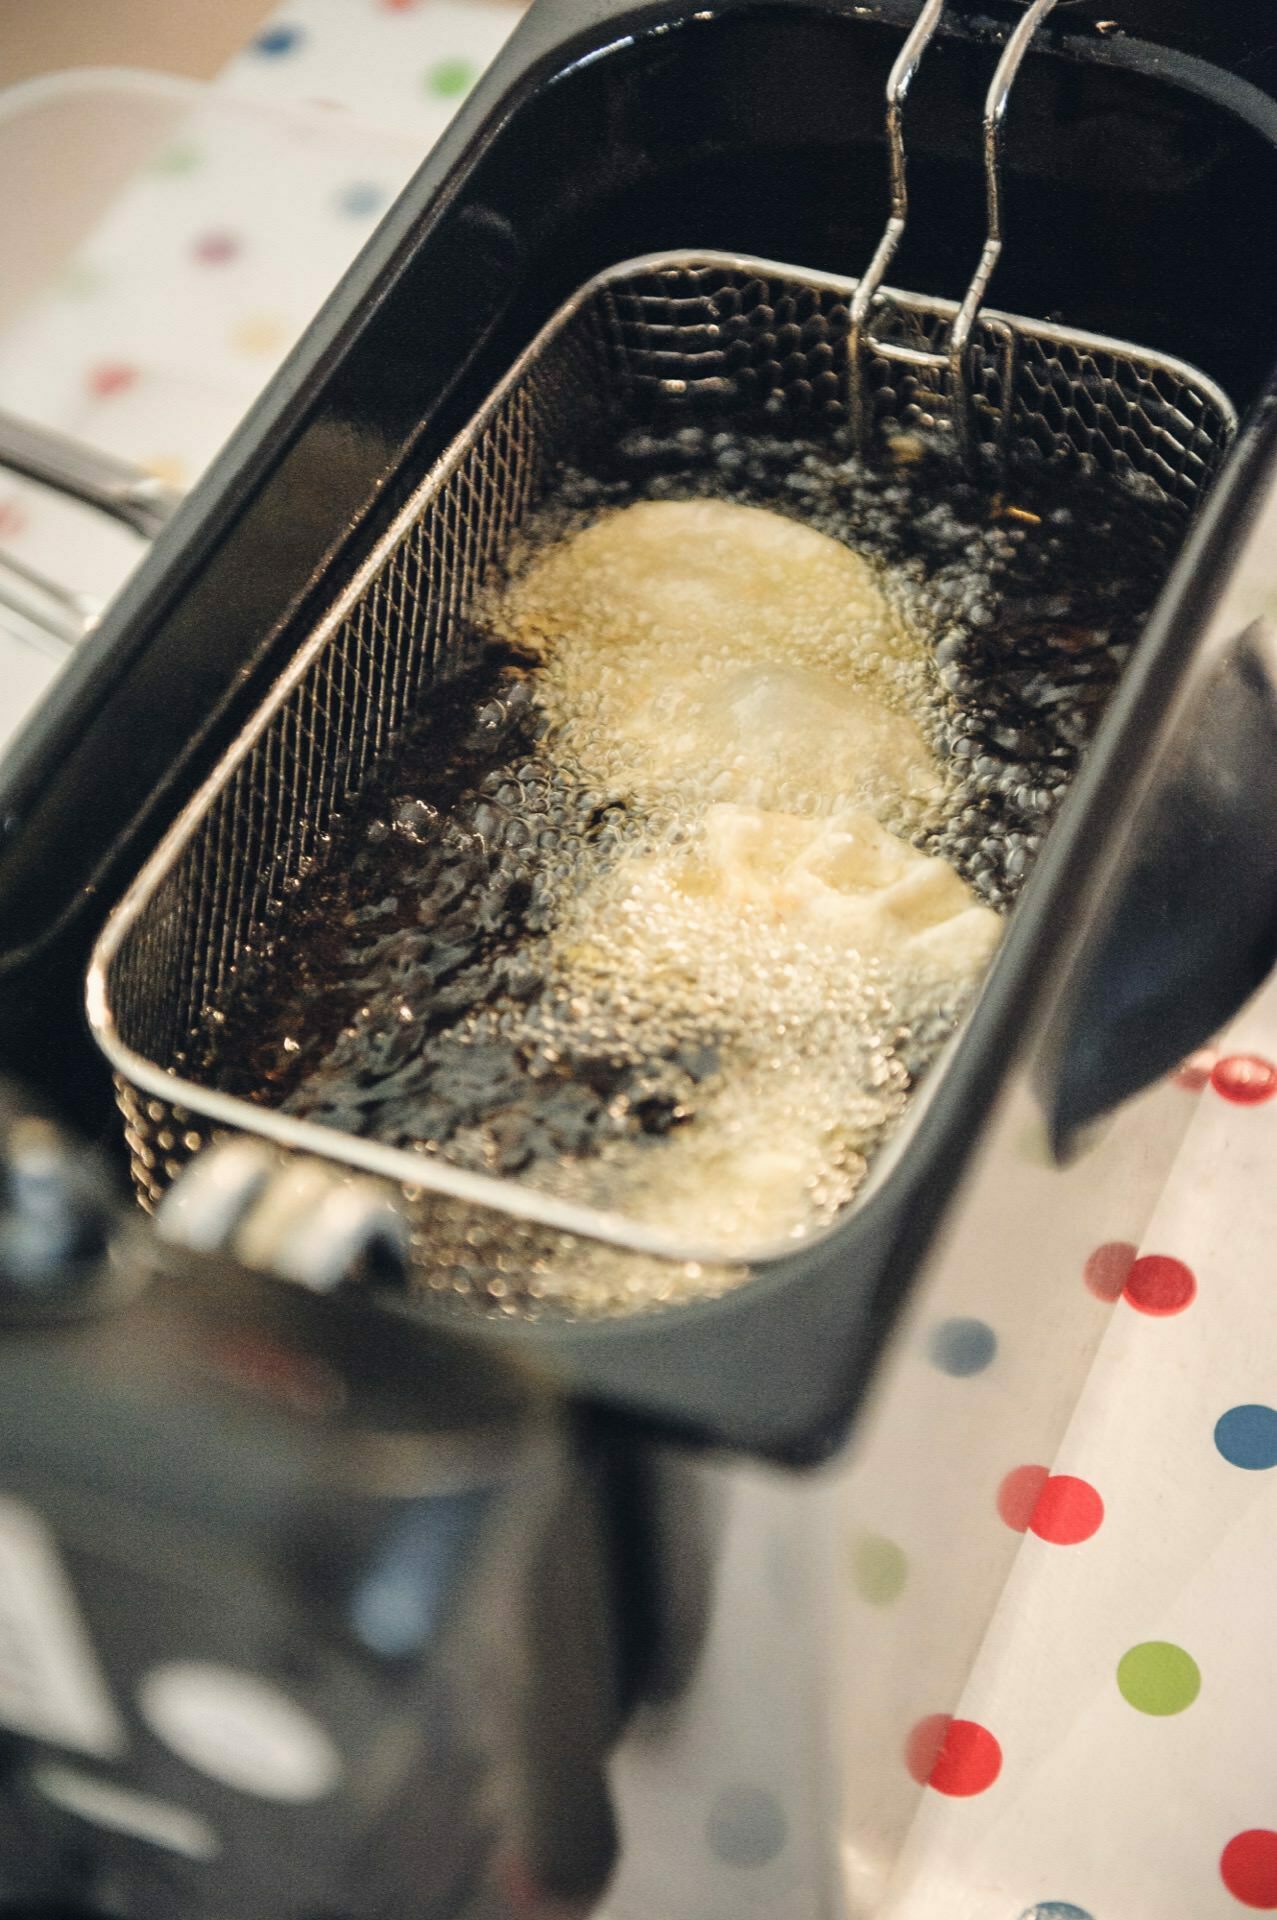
{"type": "Point", "coordinates": [701, 647]}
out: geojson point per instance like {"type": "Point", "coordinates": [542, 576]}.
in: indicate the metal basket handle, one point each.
{"type": "Point", "coordinates": [951, 358]}
{"type": "Point", "coordinates": [55, 612]}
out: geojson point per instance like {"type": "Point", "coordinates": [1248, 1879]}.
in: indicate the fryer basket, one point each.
{"type": "Point", "coordinates": [709, 336]}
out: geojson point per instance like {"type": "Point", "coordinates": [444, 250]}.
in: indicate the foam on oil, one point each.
{"type": "Point", "coordinates": [743, 687]}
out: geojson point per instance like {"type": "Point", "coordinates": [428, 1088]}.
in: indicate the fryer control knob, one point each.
{"type": "Point", "coordinates": [299, 1218]}
{"type": "Point", "coordinates": [55, 1212]}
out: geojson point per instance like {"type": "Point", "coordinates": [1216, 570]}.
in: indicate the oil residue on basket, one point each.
{"type": "Point", "coordinates": [611, 923]}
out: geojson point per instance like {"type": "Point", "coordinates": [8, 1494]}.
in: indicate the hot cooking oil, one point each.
{"type": "Point", "coordinates": [670, 899]}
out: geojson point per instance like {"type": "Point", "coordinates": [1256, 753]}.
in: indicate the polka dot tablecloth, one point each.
{"type": "Point", "coordinates": [1114, 1755]}
{"type": "Point", "coordinates": [170, 316]}
{"type": "Point", "coordinates": [399, 64]}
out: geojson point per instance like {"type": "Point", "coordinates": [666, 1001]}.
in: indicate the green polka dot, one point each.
{"type": "Point", "coordinates": [879, 1569]}
{"type": "Point", "coordinates": [78, 280]}
{"type": "Point", "coordinates": [449, 79]}
{"type": "Point", "coordinates": [1156, 1677]}
{"type": "Point", "coordinates": [183, 157]}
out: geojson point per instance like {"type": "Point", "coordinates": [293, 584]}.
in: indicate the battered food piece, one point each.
{"type": "Point", "coordinates": [742, 688]}
{"type": "Point", "coordinates": [845, 879]}
{"type": "Point", "coordinates": [699, 648]}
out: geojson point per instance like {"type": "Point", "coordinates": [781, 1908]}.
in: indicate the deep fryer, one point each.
{"type": "Point", "coordinates": [1120, 959]}
{"type": "Point", "coordinates": [673, 338]}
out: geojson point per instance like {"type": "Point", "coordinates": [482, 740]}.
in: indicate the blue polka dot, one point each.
{"type": "Point", "coordinates": [1055, 1910]}
{"type": "Point", "coordinates": [746, 1827]}
{"type": "Point", "coordinates": [276, 41]}
{"type": "Point", "coordinates": [1247, 1437]}
{"type": "Point", "coordinates": [361, 198]}
{"type": "Point", "coordinates": [961, 1347]}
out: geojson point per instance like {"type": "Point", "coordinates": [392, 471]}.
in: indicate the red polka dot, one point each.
{"type": "Point", "coordinates": [1107, 1269]}
{"type": "Point", "coordinates": [1248, 1868]}
{"type": "Point", "coordinates": [110, 376]}
{"type": "Point", "coordinates": [13, 520]}
{"type": "Point", "coordinates": [1193, 1073]}
{"type": "Point", "coordinates": [1057, 1507]}
{"type": "Point", "coordinates": [520, 1888]}
{"type": "Point", "coordinates": [1244, 1078]}
{"type": "Point", "coordinates": [215, 249]}
{"type": "Point", "coordinates": [1067, 1511]}
{"type": "Point", "coordinates": [922, 1748]}
{"type": "Point", "coordinates": [1160, 1285]}
{"type": "Point", "coordinates": [956, 1757]}
{"type": "Point", "coordinates": [1018, 1495]}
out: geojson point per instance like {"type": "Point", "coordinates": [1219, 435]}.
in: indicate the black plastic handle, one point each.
{"type": "Point", "coordinates": [1190, 930]}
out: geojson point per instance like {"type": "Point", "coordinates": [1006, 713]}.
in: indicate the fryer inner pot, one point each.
{"type": "Point", "coordinates": [649, 340]}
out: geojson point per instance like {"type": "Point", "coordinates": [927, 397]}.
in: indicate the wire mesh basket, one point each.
{"type": "Point", "coordinates": [660, 335]}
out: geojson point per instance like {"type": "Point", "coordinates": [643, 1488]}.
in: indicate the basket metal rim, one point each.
{"type": "Point", "coordinates": [428, 1173]}
{"type": "Point", "coordinates": [1051, 333]}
